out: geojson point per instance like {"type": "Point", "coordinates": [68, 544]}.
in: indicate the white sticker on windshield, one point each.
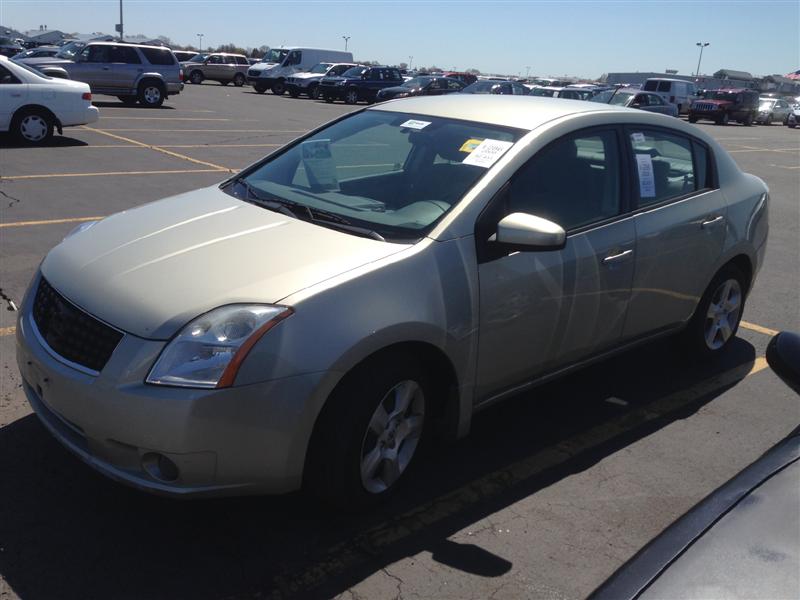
{"type": "Point", "coordinates": [647, 182]}
{"type": "Point", "coordinates": [414, 124]}
{"type": "Point", "coordinates": [487, 153]}
{"type": "Point", "coordinates": [638, 138]}
{"type": "Point", "coordinates": [319, 166]}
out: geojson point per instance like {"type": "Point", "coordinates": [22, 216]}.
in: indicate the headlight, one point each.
{"type": "Point", "coordinates": [208, 352]}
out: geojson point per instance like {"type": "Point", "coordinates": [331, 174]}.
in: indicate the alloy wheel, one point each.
{"type": "Point", "coordinates": [723, 314]}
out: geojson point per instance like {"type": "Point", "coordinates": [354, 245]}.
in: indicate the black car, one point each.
{"type": "Point", "coordinates": [422, 86]}
{"type": "Point", "coordinates": [9, 47]}
{"type": "Point", "coordinates": [491, 86]}
{"type": "Point", "coordinates": [359, 83]}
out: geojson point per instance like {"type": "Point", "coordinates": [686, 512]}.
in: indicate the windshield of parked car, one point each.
{"type": "Point", "coordinates": [320, 68]}
{"type": "Point", "coordinates": [69, 51]}
{"type": "Point", "coordinates": [417, 82]}
{"type": "Point", "coordinates": [720, 95]}
{"type": "Point", "coordinates": [388, 173]}
{"type": "Point", "coordinates": [275, 55]}
{"type": "Point", "coordinates": [354, 72]}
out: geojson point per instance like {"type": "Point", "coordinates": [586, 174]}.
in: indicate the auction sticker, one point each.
{"type": "Point", "coordinates": [487, 153]}
{"type": "Point", "coordinates": [414, 124]}
{"type": "Point", "coordinates": [647, 182]}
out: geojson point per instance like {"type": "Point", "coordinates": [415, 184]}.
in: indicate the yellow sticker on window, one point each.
{"type": "Point", "coordinates": [470, 145]}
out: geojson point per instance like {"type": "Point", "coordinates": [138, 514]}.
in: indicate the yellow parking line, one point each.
{"type": "Point", "coordinates": [758, 365]}
{"type": "Point", "coordinates": [7, 331]}
{"type": "Point", "coordinates": [162, 150]}
{"type": "Point", "coordinates": [50, 222]}
{"type": "Point", "coordinates": [758, 328]}
{"type": "Point", "coordinates": [114, 173]}
{"type": "Point", "coordinates": [199, 130]}
{"type": "Point", "coordinates": [222, 146]}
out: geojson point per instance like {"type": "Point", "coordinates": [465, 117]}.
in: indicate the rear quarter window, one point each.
{"type": "Point", "coordinates": [158, 56]}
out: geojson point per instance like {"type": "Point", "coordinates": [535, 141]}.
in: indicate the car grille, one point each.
{"type": "Point", "coordinates": [71, 333]}
{"type": "Point", "coordinates": [253, 72]}
{"type": "Point", "coordinates": [705, 106]}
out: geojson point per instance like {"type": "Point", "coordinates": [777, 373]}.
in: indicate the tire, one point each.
{"type": "Point", "coordinates": [313, 92]}
{"type": "Point", "coordinates": [151, 94]}
{"type": "Point", "coordinates": [692, 119]}
{"type": "Point", "coordinates": [294, 92]}
{"type": "Point", "coordinates": [717, 316]}
{"type": "Point", "coordinates": [128, 100]}
{"type": "Point", "coordinates": [32, 126]}
{"type": "Point", "coordinates": [260, 88]}
{"type": "Point", "coordinates": [238, 80]}
{"type": "Point", "coordinates": [369, 432]}
{"type": "Point", "coordinates": [196, 77]}
{"type": "Point", "coordinates": [351, 96]}
{"type": "Point", "coordinates": [279, 87]}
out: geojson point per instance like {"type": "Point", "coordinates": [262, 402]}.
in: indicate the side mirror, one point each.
{"type": "Point", "coordinates": [529, 232]}
{"type": "Point", "coordinates": [783, 356]}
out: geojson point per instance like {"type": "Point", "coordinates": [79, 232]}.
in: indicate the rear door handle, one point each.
{"type": "Point", "coordinates": [712, 222]}
{"type": "Point", "coordinates": [615, 258]}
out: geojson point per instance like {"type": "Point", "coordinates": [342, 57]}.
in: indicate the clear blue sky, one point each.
{"type": "Point", "coordinates": [583, 38]}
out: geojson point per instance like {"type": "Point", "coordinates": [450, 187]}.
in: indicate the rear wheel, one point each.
{"type": "Point", "coordinates": [151, 94]}
{"type": "Point", "coordinates": [716, 318]}
{"type": "Point", "coordinates": [238, 80]}
{"type": "Point", "coordinates": [32, 126]}
{"type": "Point", "coordinates": [196, 77]}
{"type": "Point", "coordinates": [369, 432]}
{"type": "Point", "coordinates": [279, 87]}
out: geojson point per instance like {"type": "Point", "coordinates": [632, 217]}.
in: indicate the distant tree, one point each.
{"type": "Point", "coordinates": [229, 48]}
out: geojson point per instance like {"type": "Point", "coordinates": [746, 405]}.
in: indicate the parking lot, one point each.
{"type": "Point", "coordinates": [552, 491]}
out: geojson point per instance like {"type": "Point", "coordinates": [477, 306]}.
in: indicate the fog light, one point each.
{"type": "Point", "coordinates": [160, 467]}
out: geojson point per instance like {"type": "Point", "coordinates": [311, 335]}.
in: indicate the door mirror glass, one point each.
{"type": "Point", "coordinates": [529, 231]}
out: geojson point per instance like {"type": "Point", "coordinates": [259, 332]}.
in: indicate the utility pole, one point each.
{"type": "Point", "coordinates": [702, 45]}
{"type": "Point", "coordinates": [200, 35]}
{"type": "Point", "coordinates": [527, 72]}
{"type": "Point", "coordinates": [119, 27]}
{"type": "Point", "coordinates": [346, 38]}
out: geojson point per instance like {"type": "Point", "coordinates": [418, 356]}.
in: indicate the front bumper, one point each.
{"type": "Point", "coordinates": [241, 440]}
{"type": "Point", "coordinates": [263, 81]}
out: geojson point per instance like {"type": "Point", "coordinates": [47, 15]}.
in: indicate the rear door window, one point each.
{"type": "Point", "coordinates": [124, 54]}
{"type": "Point", "coordinates": [664, 166]}
{"type": "Point", "coordinates": [158, 56]}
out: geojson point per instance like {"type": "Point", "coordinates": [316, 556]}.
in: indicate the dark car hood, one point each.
{"type": "Point", "coordinates": [716, 102]}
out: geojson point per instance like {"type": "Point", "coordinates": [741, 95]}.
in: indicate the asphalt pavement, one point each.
{"type": "Point", "coordinates": [552, 491]}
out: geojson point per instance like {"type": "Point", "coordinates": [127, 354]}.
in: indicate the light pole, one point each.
{"type": "Point", "coordinates": [346, 38]}
{"type": "Point", "coordinates": [702, 45]}
{"type": "Point", "coordinates": [527, 72]}
{"type": "Point", "coordinates": [410, 62]}
{"type": "Point", "coordinates": [121, 34]}
{"type": "Point", "coordinates": [200, 36]}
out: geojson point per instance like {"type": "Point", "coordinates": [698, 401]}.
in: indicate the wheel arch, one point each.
{"type": "Point", "coordinates": [23, 109]}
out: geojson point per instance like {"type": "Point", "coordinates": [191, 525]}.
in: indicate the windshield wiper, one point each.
{"type": "Point", "coordinates": [305, 212]}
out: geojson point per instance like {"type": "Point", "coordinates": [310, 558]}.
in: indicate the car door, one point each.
{"type": "Point", "coordinates": [214, 68]}
{"type": "Point", "coordinates": [124, 69]}
{"type": "Point", "coordinates": [680, 227]}
{"type": "Point", "coordinates": [13, 94]}
{"type": "Point", "coordinates": [542, 310]}
{"type": "Point", "coordinates": [656, 104]}
{"type": "Point", "coordinates": [93, 67]}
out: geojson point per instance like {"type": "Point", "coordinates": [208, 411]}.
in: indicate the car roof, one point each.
{"type": "Point", "coordinates": [521, 112]}
{"type": "Point", "coordinates": [126, 44]}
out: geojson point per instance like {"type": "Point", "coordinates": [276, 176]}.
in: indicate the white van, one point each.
{"type": "Point", "coordinates": [674, 91]}
{"type": "Point", "coordinates": [265, 76]}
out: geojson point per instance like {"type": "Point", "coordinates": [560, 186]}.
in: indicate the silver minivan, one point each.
{"type": "Point", "coordinates": [313, 319]}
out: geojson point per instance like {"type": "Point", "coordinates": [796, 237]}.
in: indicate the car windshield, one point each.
{"type": "Point", "coordinates": [70, 50]}
{"type": "Point", "coordinates": [320, 68]}
{"type": "Point", "coordinates": [720, 95]}
{"type": "Point", "coordinates": [480, 87]}
{"type": "Point", "coordinates": [275, 55]}
{"type": "Point", "coordinates": [417, 82]}
{"type": "Point", "coordinates": [620, 98]}
{"type": "Point", "coordinates": [392, 175]}
{"type": "Point", "coordinates": [354, 72]}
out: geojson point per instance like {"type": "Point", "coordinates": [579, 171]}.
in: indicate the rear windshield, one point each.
{"type": "Point", "coordinates": [158, 56]}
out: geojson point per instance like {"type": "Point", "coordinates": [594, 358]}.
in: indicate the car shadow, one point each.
{"type": "Point", "coordinates": [68, 532]}
{"type": "Point", "coordinates": [56, 141]}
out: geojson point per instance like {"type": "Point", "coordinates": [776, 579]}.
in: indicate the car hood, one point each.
{"type": "Point", "coordinates": [150, 270]}
{"type": "Point", "coordinates": [46, 61]}
{"type": "Point", "coordinates": [263, 66]}
{"type": "Point", "coordinates": [308, 75]}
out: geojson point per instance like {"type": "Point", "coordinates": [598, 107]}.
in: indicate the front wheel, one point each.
{"type": "Point", "coordinates": [351, 96]}
{"type": "Point", "coordinates": [32, 127]}
{"type": "Point", "coordinates": [717, 316]}
{"type": "Point", "coordinates": [369, 432]}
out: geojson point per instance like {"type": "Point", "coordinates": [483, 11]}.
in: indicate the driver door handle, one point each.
{"type": "Point", "coordinates": [712, 222]}
{"type": "Point", "coordinates": [615, 258]}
